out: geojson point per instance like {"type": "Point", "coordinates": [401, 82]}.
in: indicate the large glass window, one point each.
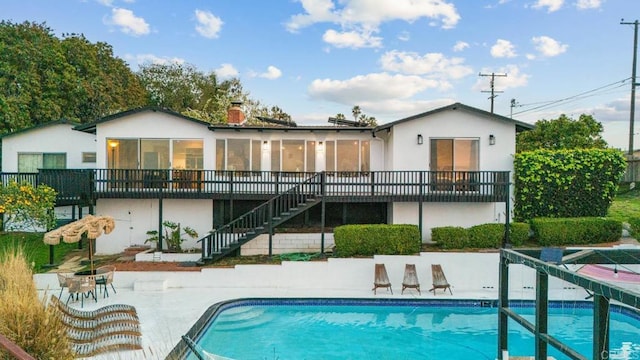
{"type": "Point", "coordinates": [238, 157]}
{"type": "Point", "coordinates": [31, 162]}
{"type": "Point", "coordinates": [155, 154]}
{"type": "Point", "coordinates": [330, 150]}
{"type": "Point", "coordinates": [453, 158]}
{"type": "Point", "coordinates": [454, 154]}
{"type": "Point", "coordinates": [256, 155]}
{"type": "Point", "coordinates": [122, 153]}
{"type": "Point", "coordinates": [348, 156]}
{"type": "Point", "coordinates": [275, 155]}
{"type": "Point", "coordinates": [187, 154]}
{"type": "Point", "coordinates": [365, 156]}
{"type": "Point", "coordinates": [311, 156]}
{"type": "Point", "coordinates": [292, 155]}
{"type": "Point", "coordinates": [221, 154]}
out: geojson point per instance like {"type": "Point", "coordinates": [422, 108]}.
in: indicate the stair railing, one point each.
{"type": "Point", "coordinates": [262, 218]}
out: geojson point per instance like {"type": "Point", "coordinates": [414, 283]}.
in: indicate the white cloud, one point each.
{"type": "Point", "coordinates": [370, 87]}
{"type": "Point", "coordinates": [153, 59]}
{"type": "Point", "coordinates": [513, 79]}
{"type": "Point", "coordinates": [209, 25]}
{"type": "Point", "coordinates": [503, 48]}
{"type": "Point", "coordinates": [351, 39]}
{"type": "Point", "coordinates": [365, 16]}
{"type": "Point", "coordinates": [128, 22]}
{"type": "Point", "coordinates": [433, 64]}
{"type": "Point", "coordinates": [226, 71]}
{"type": "Point", "coordinates": [460, 45]}
{"type": "Point", "coordinates": [108, 3]}
{"type": "Point", "coordinates": [272, 73]}
{"type": "Point", "coordinates": [551, 5]}
{"type": "Point", "coordinates": [548, 47]}
{"type": "Point", "coordinates": [404, 36]}
{"type": "Point", "coordinates": [588, 4]}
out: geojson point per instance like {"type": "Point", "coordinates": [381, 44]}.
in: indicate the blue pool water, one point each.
{"type": "Point", "coordinates": [351, 329]}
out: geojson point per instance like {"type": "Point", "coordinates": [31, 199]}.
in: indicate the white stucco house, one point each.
{"type": "Point", "coordinates": [445, 167]}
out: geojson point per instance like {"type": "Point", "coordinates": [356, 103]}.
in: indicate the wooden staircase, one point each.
{"type": "Point", "coordinates": [227, 239]}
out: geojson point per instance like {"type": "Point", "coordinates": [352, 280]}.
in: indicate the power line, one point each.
{"type": "Point", "coordinates": [582, 95]}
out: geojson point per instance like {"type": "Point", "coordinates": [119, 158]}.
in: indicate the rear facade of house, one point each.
{"type": "Point", "coordinates": [236, 184]}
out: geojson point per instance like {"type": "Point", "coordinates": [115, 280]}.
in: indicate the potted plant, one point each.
{"type": "Point", "coordinates": [174, 235]}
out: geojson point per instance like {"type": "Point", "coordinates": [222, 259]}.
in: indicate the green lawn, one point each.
{"type": "Point", "coordinates": [35, 249]}
{"type": "Point", "coordinates": [625, 205]}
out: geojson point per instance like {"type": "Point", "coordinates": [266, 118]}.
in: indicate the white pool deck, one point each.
{"type": "Point", "coordinates": [169, 303]}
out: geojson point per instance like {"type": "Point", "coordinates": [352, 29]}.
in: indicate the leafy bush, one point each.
{"type": "Point", "coordinates": [519, 233]}
{"type": "Point", "coordinates": [566, 183]}
{"type": "Point", "coordinates": [480, 236]}
{"type": "Point", "coordinates": [634, 222]}
{"type": "Point", "coordinates": [575, 231]}
{"type": "Point", "coordinates": [486, 235]}
{"type": "Point", "coordinates": [174, 235]}
{"type": "Point", "coordinates": [23, 317]}
{"type": "Point", "coordinates": [450, 237]}
{"type": "Point", "coordinates": [377, 239]}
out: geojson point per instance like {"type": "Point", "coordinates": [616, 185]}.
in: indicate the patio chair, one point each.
{"type": "Point", "coordinates": [63, 280]}
{"type": "Point", "coordinates": [81, 287]}
{"type": "Point", "coordinates": [113, 342]}
{"type": "Point", "coordinates": [410, 280]}
{"type": "Point", "coordinates": [381, 279]}
{"type": "Point", "coordinates": [94, 314]}
{"type": "Point", "coordinates": [439, 280]}
{"type": "Point", "coordinates": [104, 277]}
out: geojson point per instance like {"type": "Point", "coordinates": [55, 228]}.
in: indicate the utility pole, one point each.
{"type": "Point", "coordinates": [514, 103]}
{"type": "Point", "coordinates": [632, 108]}
{"type": "Point", "coordinates": [492, 91]}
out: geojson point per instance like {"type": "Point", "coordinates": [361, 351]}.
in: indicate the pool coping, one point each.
{"type": "Point", "coordinates": [182, 350]}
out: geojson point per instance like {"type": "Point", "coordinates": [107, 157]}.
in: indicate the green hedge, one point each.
{"type": "Point", "coordinates": [479, 236]}
{"type": "Point", "coordinates": [566, 183]}
{"type": "Point", "coordinates": [450, 237]}
{"type": "Point", "coordinates": [377, 239]}
{"type": "Point", "coordinates": [575, 231]}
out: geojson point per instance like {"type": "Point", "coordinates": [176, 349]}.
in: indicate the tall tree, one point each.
{"type": "Point", "coordinates": [356, 112]}
{"type": "Point", "coordinates": [43, 78]}
{"type": "Point", "coordinates": [563, 133]}
{"type": "Point", "coordinates": [105, 83]}
{"type": "Point", "coordinates": [185, 89]}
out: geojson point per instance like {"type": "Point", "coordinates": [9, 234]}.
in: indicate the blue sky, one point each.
{"type": "Point", "coordinates": [393, 58]}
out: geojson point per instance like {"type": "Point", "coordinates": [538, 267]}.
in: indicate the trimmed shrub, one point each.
{"type": "Point", "coordinates": [377, 239]}
{"type": "Point", "coordinates": [519, 233]}
{"type": "Point", "coordinates": [486, 235]}
{"type": "Point", "coordinates": [450, 237]}
{"type": "Point", "coordinates": [634, 222]}
{"type": "Point", "coordinates": [575, 231]}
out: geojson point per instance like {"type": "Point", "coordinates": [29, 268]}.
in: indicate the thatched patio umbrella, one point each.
{"type": "Point", "coordinates": [93, 226]}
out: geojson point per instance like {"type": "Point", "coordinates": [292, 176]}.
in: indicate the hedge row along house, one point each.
{"type": "Point", "coordinates": [237, 184]}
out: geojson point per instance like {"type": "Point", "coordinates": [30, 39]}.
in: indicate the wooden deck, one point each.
{"type": "Point", "coordinates": [86, 185]}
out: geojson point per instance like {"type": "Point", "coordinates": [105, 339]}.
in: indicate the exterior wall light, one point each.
{"type": "Point", "coordinates": [265, 145]}
{"type": "Point", "coordinates": [492, 140]}
{"type": "Point", "coordinates": [420, 139]}
{"type": "Point", "coordinates": [320, 146]}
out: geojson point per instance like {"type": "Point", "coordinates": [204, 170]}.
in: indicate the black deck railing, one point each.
{"type": "Point", "coordinates": [262, 218]}
{"type": "Point", "coordinates": [373, 186]}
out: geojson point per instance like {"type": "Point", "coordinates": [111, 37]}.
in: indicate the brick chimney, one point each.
{"type": "Point", "coordinates": [235, 116]}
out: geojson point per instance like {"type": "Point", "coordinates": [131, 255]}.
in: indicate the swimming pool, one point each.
{"type": "Point", "coordinates": [395, 329]}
